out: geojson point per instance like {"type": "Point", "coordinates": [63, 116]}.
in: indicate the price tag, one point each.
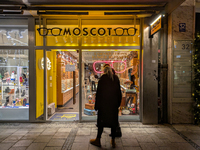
{"type": "Point", "coordinates": [69, 67]}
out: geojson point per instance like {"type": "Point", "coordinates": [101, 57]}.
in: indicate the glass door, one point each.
{"type": "Point", "coordinates": [62, 85]}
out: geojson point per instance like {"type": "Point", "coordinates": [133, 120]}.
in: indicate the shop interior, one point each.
{"type": "Point", "coordinates": [63, 81]}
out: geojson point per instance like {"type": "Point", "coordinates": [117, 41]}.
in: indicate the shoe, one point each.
{"type": "Point", "coordinates": [95, 142]}
{"type": "Point", "coordinates": [11, 91]}
{"type": "Point", "coordinates": [17, 90]}
{"type": "Point", "coordinates": [7, 90]}
{"type": "Point", "coordinates": [112, 142]}
{"type": "Point", "coordinates": [7, 101]}
{"type": "Point", "coordinates": [23, 93]}
{"type": "Point", "coordinates": [24, 102]}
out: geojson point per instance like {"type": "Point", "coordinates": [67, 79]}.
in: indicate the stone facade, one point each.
{"type": "Point", "coordinates": [179, 109]}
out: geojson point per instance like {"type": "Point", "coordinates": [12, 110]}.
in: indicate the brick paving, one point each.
{"type": "Point", "coordinates": [76, 136]}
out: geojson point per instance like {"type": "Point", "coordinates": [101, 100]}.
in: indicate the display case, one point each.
{"type": "Point", "coordinates": [14, 87]}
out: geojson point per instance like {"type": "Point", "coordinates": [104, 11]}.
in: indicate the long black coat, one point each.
{"type": "Point", "coordinates": [108, 100]}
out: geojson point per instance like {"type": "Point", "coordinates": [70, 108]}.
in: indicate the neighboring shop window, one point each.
{"type": "Point", "coordinates": [14, 85]}
{"type": "Point", "coordinates": [13, 32]}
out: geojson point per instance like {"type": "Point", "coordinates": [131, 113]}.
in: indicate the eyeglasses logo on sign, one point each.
{"type": "Point", "coordinates": [131, 31]}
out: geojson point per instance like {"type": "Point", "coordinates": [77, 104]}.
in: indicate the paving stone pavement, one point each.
{"type": "Point", "coordinates": [76, 136]}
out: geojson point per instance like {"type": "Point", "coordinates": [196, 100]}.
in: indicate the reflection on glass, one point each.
{"type": "Point", "coordinates": [14, 37]}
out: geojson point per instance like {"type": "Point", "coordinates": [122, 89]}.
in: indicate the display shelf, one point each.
{"type": "Point", "coordinates": [65, 79]}
{"type": "Point", "coordinates": [123, 87]}
{"type": "Point", "coordinates": [19, 91]}
{"type": "Point", "coordinates": [69, 89]}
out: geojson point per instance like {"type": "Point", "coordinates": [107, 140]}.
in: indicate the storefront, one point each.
{"type": "Point", "coordinates": [75, 51]}
{"type": "Point", "coordinates": [32, 90]}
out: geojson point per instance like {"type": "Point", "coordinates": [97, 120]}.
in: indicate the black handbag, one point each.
{"type": "Point", "coordinates": [118, 132]}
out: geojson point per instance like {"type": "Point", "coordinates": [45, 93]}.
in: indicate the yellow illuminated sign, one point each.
{"type": "Point", "coordinates": [156, 25]}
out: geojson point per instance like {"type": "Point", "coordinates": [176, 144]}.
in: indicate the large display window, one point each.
{"type": "Point", "coordinates": [14, 85]}
{"type": "Point", "coordinates": [125, 64]}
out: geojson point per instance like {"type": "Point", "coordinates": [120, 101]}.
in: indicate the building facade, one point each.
{"type": "Point", "coordinates": [149, 45]}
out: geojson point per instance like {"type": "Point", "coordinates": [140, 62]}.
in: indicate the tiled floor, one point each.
{"type": "Point", "coordinates": [76, 136]}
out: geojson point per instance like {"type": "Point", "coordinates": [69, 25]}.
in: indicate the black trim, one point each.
{"type": "Point", "coordinates": [95, 8]}
{"type": "Point", "coordinates": [11, 12]}
{"type": "Point", "coordinates": [62, 13]}
{"type": "Point", "coordinates": [129, 13]}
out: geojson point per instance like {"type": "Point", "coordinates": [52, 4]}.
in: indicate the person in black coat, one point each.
{"type": "Point", "coordinates": [108, 100]}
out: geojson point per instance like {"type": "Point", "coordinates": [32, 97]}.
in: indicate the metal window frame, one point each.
{"type": "Point", "coordinates": [30, 24]}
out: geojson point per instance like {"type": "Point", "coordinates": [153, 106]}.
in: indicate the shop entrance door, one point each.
{"type": "Point", "coordinates": [62, 84]}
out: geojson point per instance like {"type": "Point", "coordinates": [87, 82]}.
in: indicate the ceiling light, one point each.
{"type": "Point", "coordinates": [99, 40]}
{"type": "Point", "coordinates": [126, 39]}
{"type": "Point", "coordinates": [120, 39]}
{"type": "Point", "coordinates": [105, 39]}
{"type": "Point", "coordinates": [56, 39]}
{"type": "Point", "coordinates": [113, 40]}
{"type": "Point", "coordinates": [64, 39]}
{"type": "Point", "coordinates": [71, 38]}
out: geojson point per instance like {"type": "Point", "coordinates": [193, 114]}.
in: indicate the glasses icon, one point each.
{"type": "Point", "coordinates": [45, 31]}
{"type": "Point", "coordinates": [121, 31]}
{"type": "Point", "coordinates": [111, 63]}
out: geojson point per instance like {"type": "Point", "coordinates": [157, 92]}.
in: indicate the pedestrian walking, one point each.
{"type": "Point", "coordinates": [108, 99]}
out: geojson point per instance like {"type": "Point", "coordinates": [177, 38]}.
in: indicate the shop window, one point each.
{"type": "Point", "coordinates": [126, 66]}
{"type": "Point", "coordinates": [14, 85]}
{"type": "Point", "coordinates": [13, 32]}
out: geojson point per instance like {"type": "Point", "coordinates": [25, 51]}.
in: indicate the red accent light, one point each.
{"type": "Point", "coordinates": [108, 61]}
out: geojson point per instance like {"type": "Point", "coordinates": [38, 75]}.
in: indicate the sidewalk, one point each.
{"type": "Point", "coordinates": [76, 136]}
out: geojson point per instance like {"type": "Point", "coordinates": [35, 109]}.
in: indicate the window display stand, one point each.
{"type": "Point", "coordinates": [18, 96]}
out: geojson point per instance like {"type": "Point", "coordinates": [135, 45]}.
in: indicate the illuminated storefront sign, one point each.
{"type": "Point", "coordinates": [156, 26]}
{"type": "Point", "coordinates": [110, 63]}
{"type": "Point", "coordinates": [119, 31]}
